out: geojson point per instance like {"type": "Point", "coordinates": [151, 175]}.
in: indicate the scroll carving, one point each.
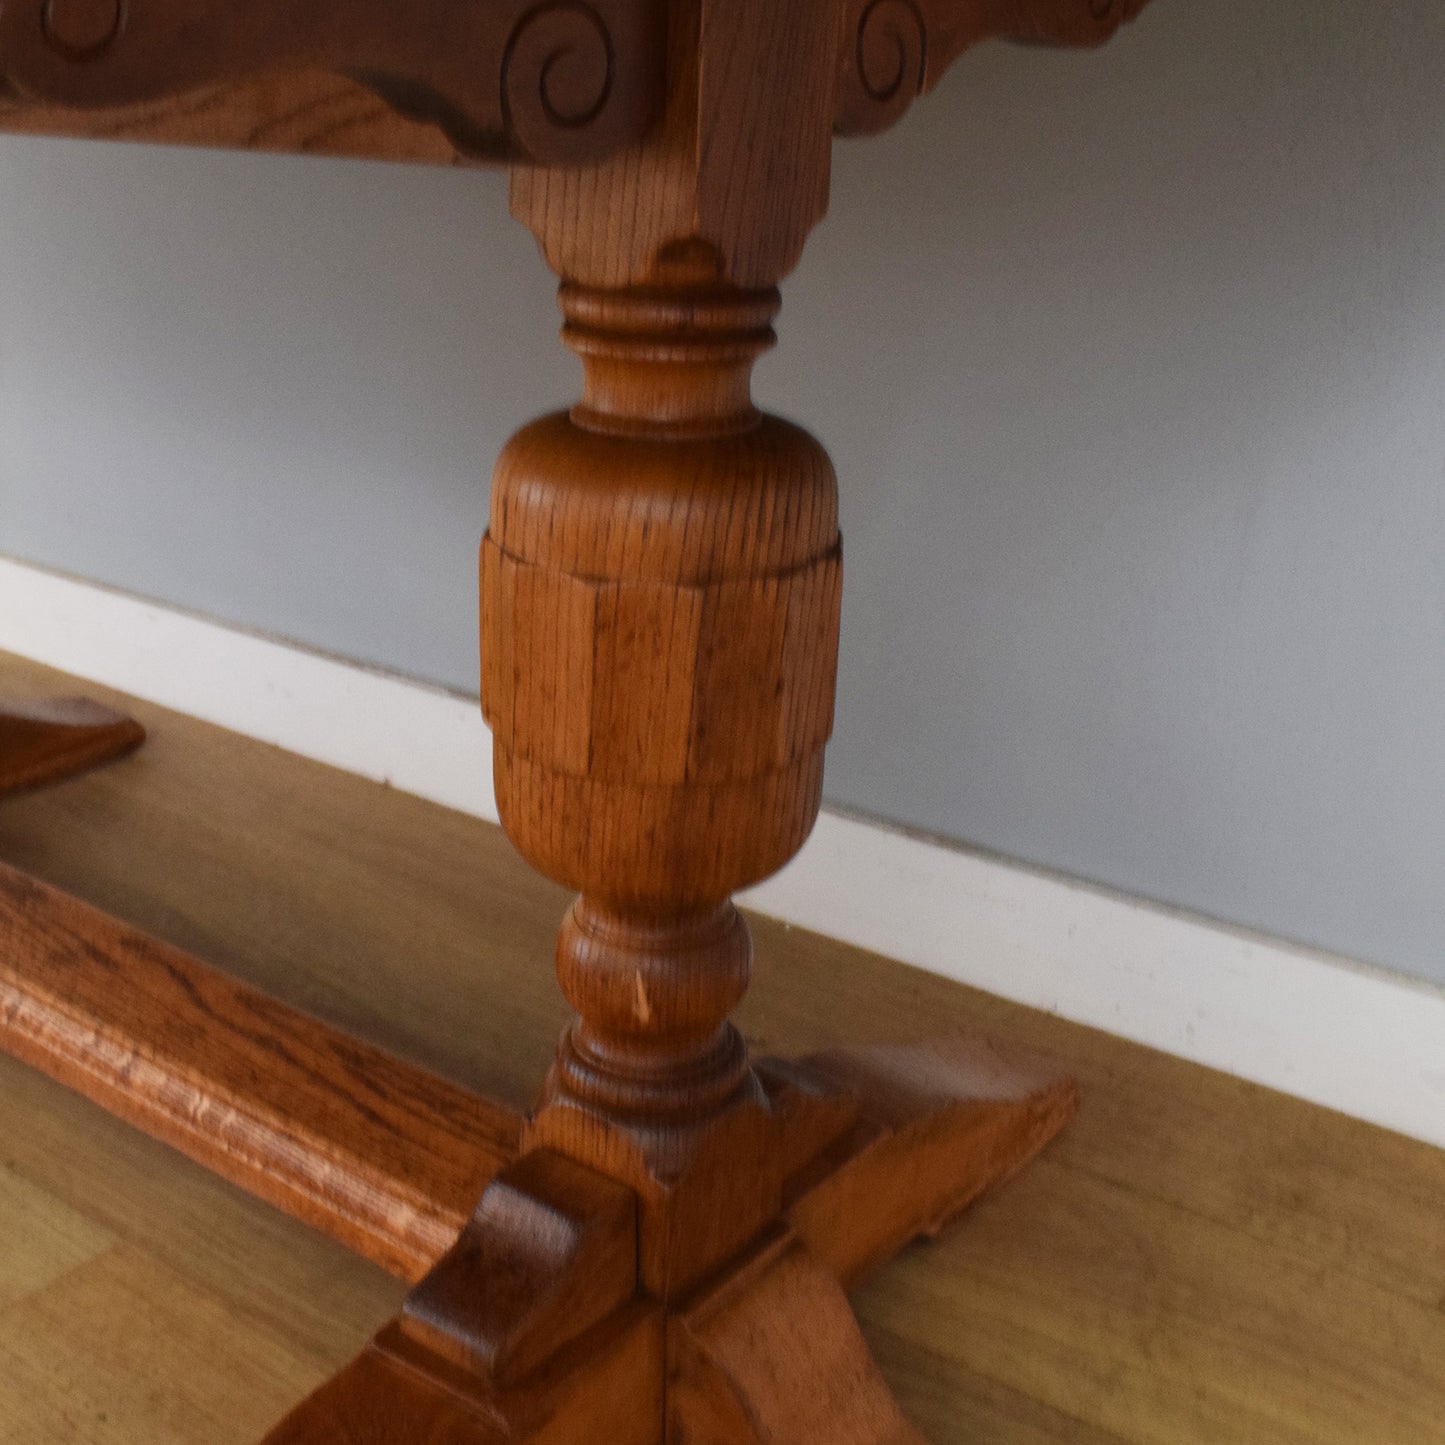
{"type": "Point", "coordinates": [557, 75]}
{"type": "Point", "coordinates": [889, 65]}
{"type": "Point", "coordinates": [559, 82]}
{"type": "Point", "coordinates": [896, 50]}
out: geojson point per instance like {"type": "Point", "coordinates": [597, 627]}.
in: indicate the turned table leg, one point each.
{"type": "Point", "coordinates": [664, 1260]}
{"type": "Point", "coordinates": [660, 622]}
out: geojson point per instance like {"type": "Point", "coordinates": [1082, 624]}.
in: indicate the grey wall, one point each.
{"type": "Point", "coordinates": [1133, 366]}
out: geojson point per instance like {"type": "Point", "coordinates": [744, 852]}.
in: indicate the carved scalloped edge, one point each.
{"type": "Point", "coordinates": [893, 51]}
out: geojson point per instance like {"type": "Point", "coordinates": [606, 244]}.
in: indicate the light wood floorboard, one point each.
{"type": "Point", "coordinates": [1196, 1260]}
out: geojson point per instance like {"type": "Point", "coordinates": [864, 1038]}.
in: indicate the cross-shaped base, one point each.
{"type": "Point", "coordinates": [528, 1321]}
{"type": "Point", "coordinates": [533, 1326]}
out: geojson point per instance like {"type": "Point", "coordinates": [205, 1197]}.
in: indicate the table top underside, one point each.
{"type": "Point", "coordinates": [307, 112]}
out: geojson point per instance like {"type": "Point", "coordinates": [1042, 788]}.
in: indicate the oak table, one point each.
{"type": "Point", "coordinates": [658, 1251]}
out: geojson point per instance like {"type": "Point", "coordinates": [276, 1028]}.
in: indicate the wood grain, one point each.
{"type": "Point", "coordinates": [377, 1153]}
{"type": "Point", "coordinates": [1195, 1259]}
{"type": "Point", "coordinates": [731, 180]}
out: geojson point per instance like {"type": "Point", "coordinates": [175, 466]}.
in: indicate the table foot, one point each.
{"type": "Point", "coordinates": [534, 1326]}
{"type": "Point", "coordinates": [775, 1357]}
{"type": "Point", "coordinates": [42, 742]}
{"type": "Point", "coordinates": [393, 1394]}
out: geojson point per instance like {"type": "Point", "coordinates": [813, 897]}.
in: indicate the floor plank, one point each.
{"type": "Point", "coordinates": [1197, 1259]}
{"type": "Point", "coordinates": [47, 1239]}
{"type": "Point", "coordinates": [125, 1348]}
{"type": "Point", "coordinates": [257, 1263]}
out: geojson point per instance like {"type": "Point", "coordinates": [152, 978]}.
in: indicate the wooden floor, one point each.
{"type": "Point", "coordinates": [1198, 1260]}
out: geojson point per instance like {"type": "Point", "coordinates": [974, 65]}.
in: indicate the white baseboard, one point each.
{"type": "Point", "coordinates": [1356, 1039]}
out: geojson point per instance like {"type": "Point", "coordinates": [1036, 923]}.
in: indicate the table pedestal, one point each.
{"type": "Point", "coordinates": [664, 1260]}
